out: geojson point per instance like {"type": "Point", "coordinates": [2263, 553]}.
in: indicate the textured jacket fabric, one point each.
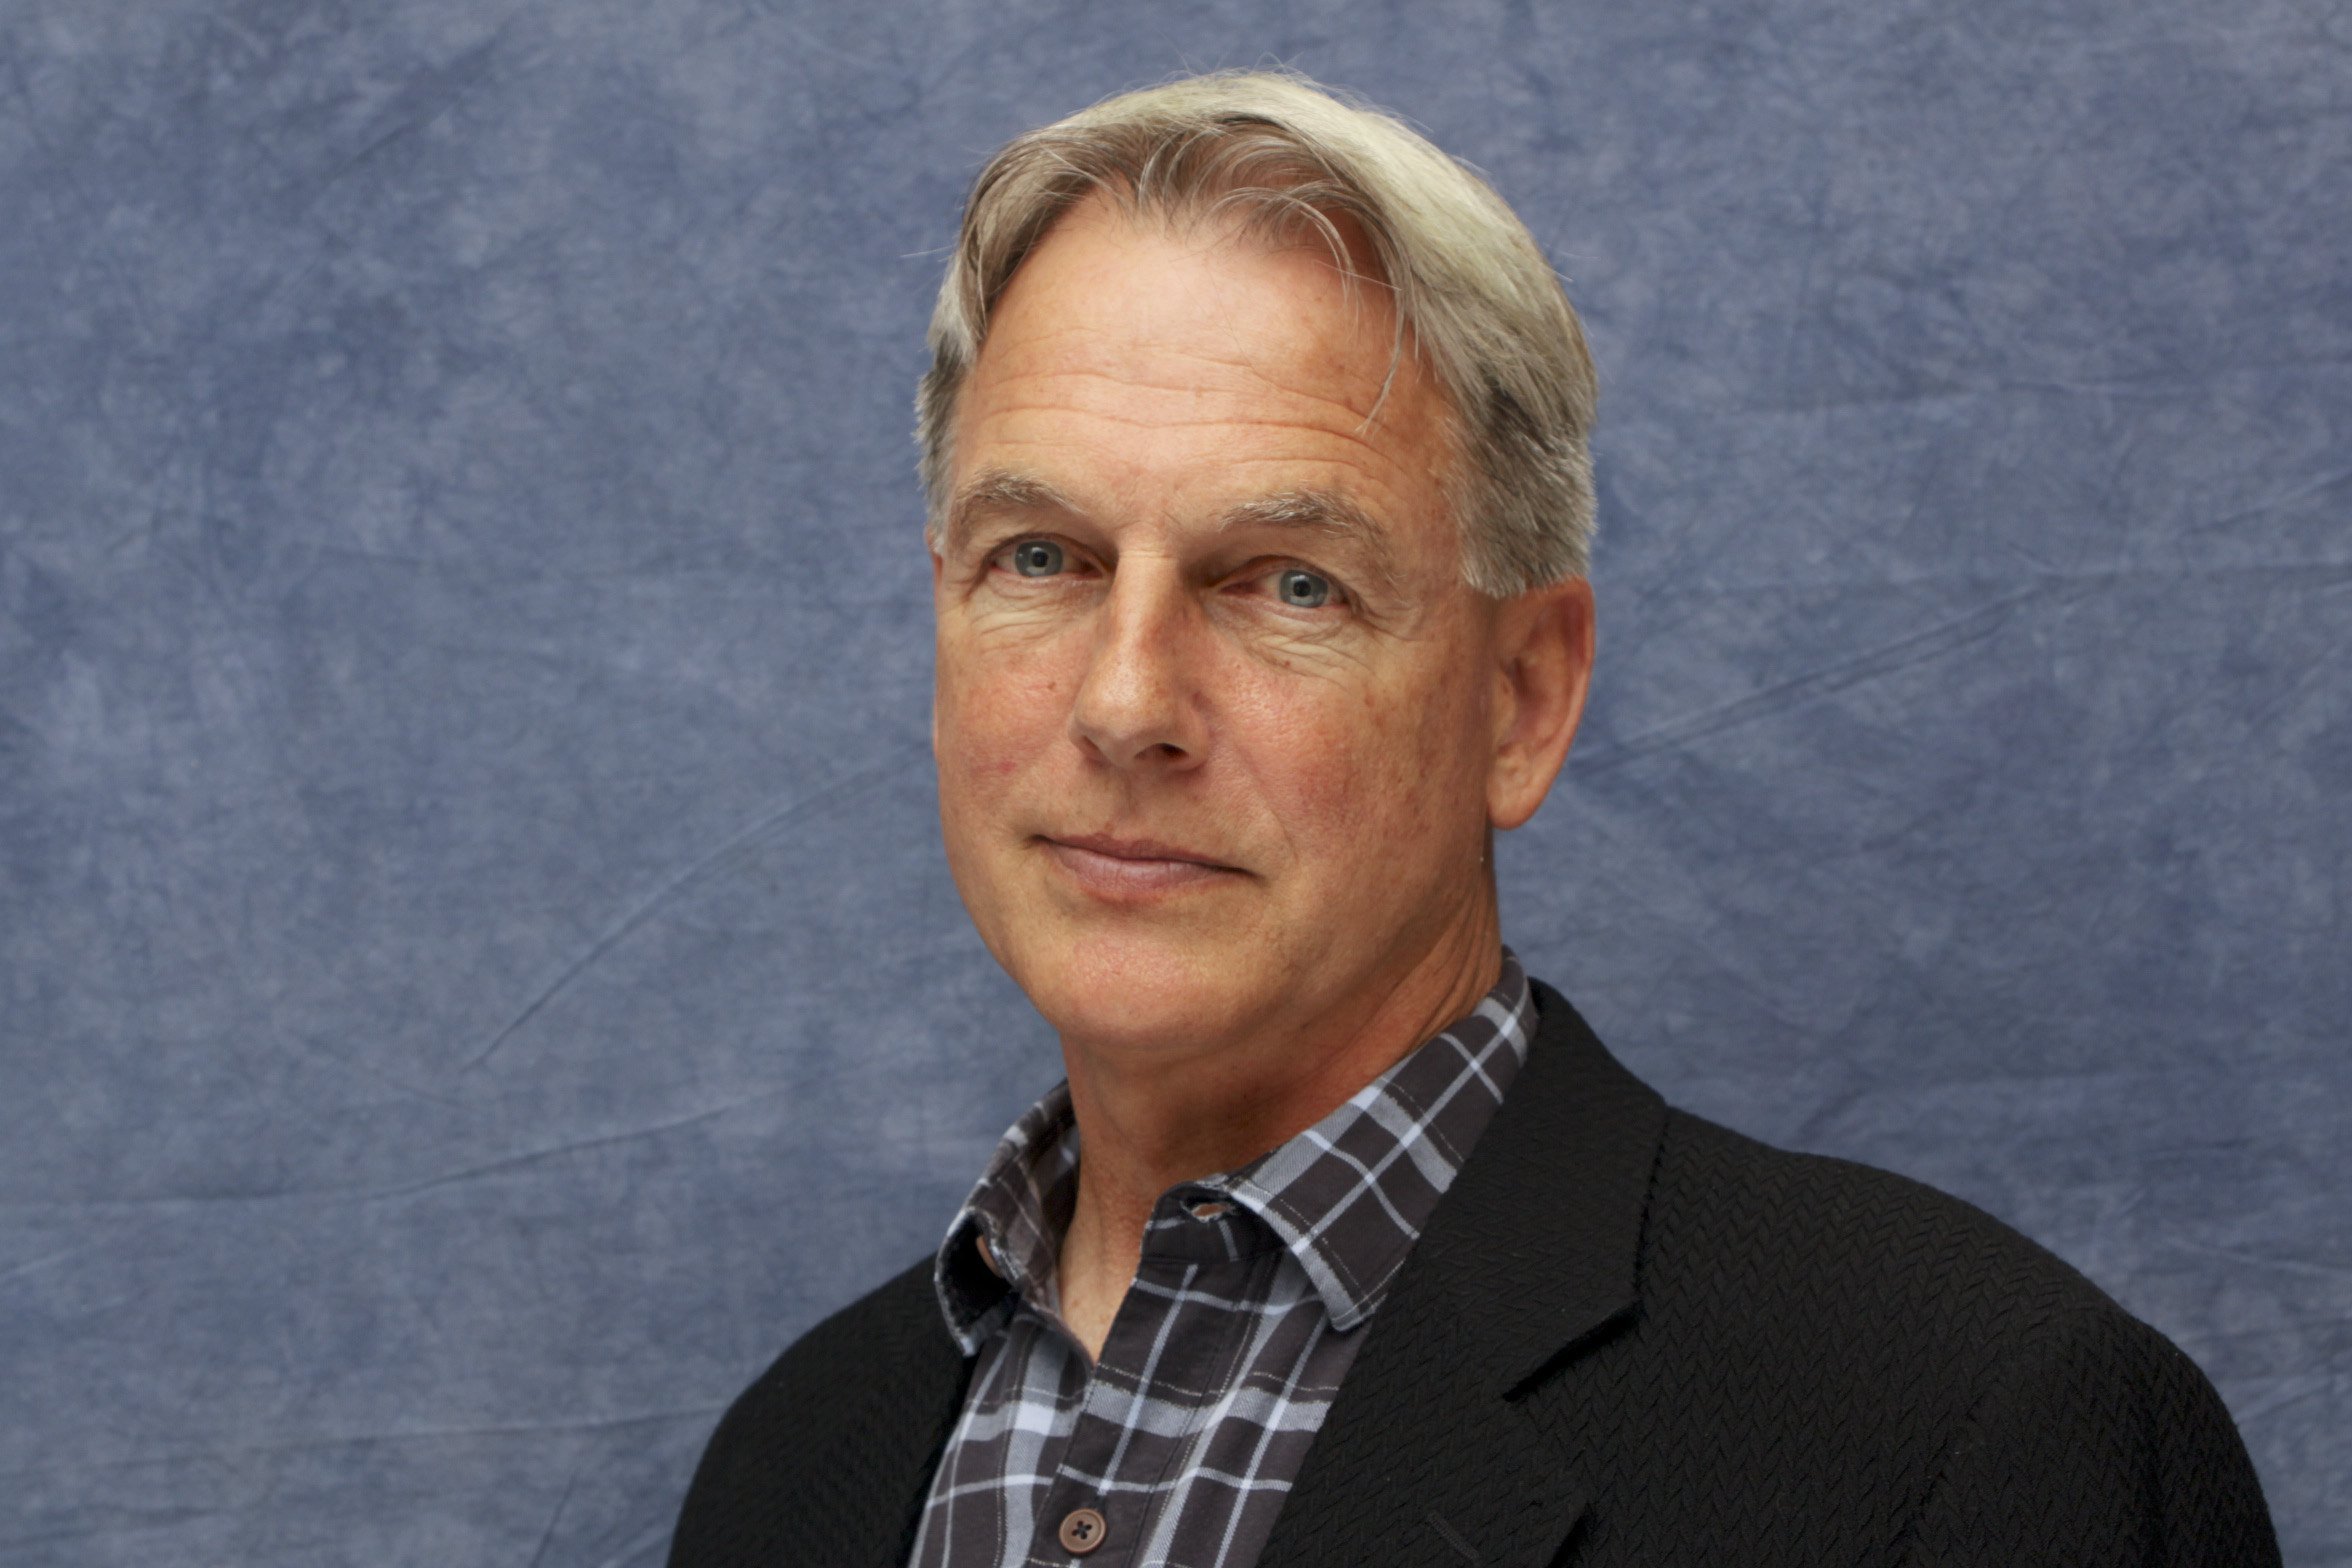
{"type": "Point", "coordinates": [1628, 1336]}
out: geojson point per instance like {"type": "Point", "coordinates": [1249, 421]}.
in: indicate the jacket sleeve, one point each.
{"type": "Point", "coordinates": [2099, 1445]}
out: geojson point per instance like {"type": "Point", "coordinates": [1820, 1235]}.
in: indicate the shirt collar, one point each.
{"type": "Point", "coordinates": [1347, 1197]}
{"type": "Point", "coordinates": [1007, 1238]}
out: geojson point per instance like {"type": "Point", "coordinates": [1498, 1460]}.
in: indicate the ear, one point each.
{"type": "Point", "coordinates": [1543, 667]}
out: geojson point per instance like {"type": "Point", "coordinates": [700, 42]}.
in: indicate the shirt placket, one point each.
{"type": "Point", "coordinates": [1166, 1355]}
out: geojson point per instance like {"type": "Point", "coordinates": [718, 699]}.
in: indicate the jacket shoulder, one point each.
{"type": "Point", "coordinates": [853, 1411]}
{"type": "Point", "coordinates": [1820, 1328]}
{"type": "Point", "coordinates": [1733, 1216]}
{"type": "Point", "coordinates": [841, 1348]}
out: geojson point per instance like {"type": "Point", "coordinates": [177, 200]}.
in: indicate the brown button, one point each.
{"type": "Point", "coordinates": [1082, 1531]}
{"type": "Point", "coordinates": [988, 1255]}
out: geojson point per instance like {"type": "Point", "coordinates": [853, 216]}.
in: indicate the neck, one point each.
{"type": "Point", "coordinates": [1151, 1120]}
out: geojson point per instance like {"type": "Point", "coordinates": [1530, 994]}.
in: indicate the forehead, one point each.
{"type": "Point", "coordinates": [1141, 365]}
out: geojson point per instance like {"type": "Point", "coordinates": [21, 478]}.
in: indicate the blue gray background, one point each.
{"type": "Point", "coordinates": [477, 974]}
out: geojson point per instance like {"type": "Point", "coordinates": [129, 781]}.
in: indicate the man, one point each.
{"type": "Point", "coordinates": [1256, 447]}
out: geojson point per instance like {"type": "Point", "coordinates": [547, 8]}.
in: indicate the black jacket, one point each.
{"type": "Point", "coordinates": [1628, 1336]}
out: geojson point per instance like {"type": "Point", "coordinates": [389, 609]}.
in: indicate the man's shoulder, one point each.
{"type": "Point", "coordinates": [1730, 1215]}
{"type": "Point", "coordinates": [893, 1325]}
{"type": "Point", "coordinates": [1856, 1333]}
{"type": "Point", "coordinates": [883, 1322]}
{"type": "Point", "coordinates": [817, 1456]}
{"type": "Point", "coordinates": [1733, 1226]}
{"type": "Point", "coordinates": [1797, 1259]}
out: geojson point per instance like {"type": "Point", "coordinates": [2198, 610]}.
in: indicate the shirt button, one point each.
{"type": "Point", "coordinates": [1082, 1531]}
{"type": "Point", "coordinates": [987, 1255]}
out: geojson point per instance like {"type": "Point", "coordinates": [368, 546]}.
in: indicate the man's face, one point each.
{"type": "Point", "coordinates": [1215, 712]}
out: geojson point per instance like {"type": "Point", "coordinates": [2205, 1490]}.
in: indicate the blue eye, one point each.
{"type": "Point", "coordinates": [1302, 589]}
{"type": "Point", "coordinates": [1037, 558]}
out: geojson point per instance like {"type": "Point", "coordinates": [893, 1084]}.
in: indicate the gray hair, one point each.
{"type": "Point", "coordinates": [1280, 155]}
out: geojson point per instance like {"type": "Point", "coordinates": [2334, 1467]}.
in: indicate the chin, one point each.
{"type": "Point", "coordinates": [1141, 990]}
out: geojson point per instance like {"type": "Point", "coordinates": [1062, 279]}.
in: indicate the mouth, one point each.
{"type": "Point", "coordinates": [1125, 870]}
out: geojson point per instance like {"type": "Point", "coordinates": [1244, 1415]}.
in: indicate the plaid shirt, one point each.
{"type": "Point", "coordinates": [1179, 1446]}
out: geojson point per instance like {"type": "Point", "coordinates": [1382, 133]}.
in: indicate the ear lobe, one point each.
{"type": "Point", "coordinates": [1544, 649]}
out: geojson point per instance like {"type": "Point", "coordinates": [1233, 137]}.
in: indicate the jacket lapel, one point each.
{"type": "Point", "coordinates": [1427, 1455]}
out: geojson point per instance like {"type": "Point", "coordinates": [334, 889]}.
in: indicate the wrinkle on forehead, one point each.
{"type": "Point", "coordinates": [1034, 401]}
{"type": "Point", "coordinates": [1358, 429]}
{"type": "Point", "coordinates": [1375, 355]}
{"type": "Point", "coordinates": [1123, 354]}
{"type": "Point", "coordinates": [1278, 221]}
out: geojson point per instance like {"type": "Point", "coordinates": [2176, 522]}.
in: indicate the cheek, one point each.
{"type": "Point", "coordinates": [1332, 765]}
{"type": "Point", "coordinates": [994, 716]}
{"type": "Point", "coordinates": [1392, 767]}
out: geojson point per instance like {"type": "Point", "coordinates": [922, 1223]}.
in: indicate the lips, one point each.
{"type": "Point", "coordinates": [1125, 870]}
{"type": "Point", "coordinates": [1138, 849]}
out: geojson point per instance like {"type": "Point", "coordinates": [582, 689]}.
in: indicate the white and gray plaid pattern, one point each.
{"type": "Point", "coordinates": [1187, 1433]}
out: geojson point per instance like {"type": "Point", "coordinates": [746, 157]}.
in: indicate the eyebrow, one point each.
{"type": "Point", "coordinates": [1001, 490]}
{"type": "Point", "coordinates": [1325, 514]}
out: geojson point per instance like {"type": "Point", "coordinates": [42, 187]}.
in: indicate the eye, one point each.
{"type": "Point", "coordinates": [1302, 589]}
{"type": "Point", "coordinates": [1037, 558]}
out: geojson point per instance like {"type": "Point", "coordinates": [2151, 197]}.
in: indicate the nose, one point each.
{"type": "Point", "coordinates": [1138, 702]}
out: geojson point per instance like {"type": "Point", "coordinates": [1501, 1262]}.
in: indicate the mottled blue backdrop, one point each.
{"type": "Point", "coordinates": [477, 974]}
